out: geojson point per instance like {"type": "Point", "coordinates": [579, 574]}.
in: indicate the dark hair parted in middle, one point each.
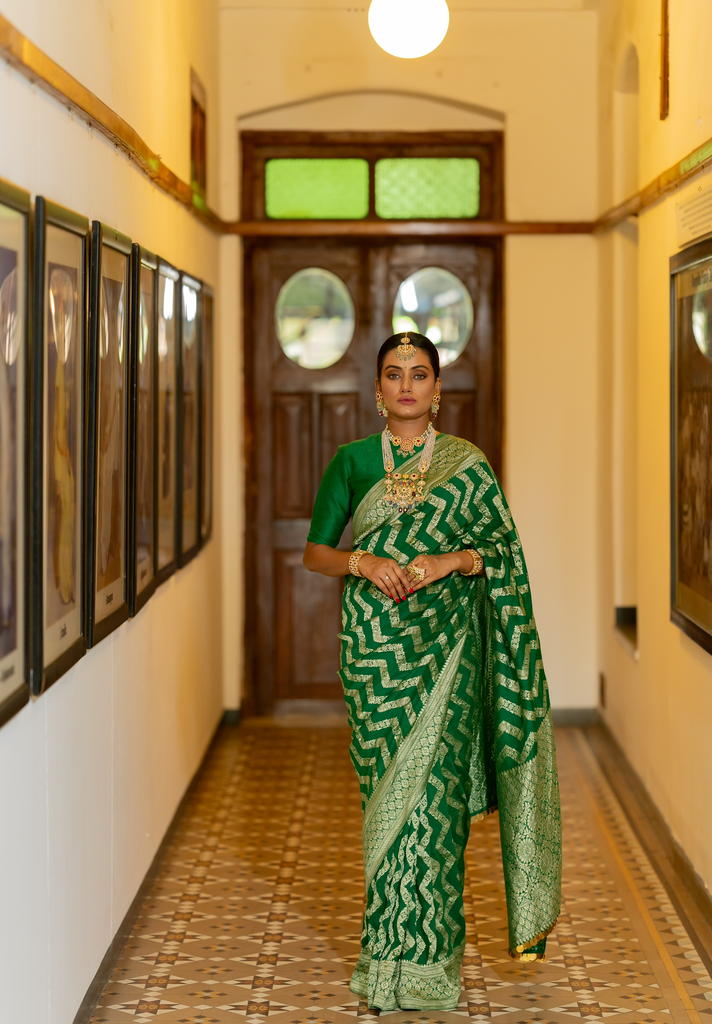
{"type": "Point", "coordinates": [418, 340]}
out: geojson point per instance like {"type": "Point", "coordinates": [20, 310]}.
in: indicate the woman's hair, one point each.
{"type": "Point", "coordinates": [418, 340]}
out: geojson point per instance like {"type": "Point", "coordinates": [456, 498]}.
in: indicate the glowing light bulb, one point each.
{"type": "Point", "coordinates": [408, 28]}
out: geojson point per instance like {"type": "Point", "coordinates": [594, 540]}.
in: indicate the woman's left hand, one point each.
{"type": "Point", "coordinates": [437, 566]}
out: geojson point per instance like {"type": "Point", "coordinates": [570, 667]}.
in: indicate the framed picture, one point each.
{"type": "Point", "coordinates": [166, 420]}
{"type": "Point", "coordinates": [14, 267]}
{"type": "Point", "coordinates": [691, 442]}
{"type": "Point", "coordinates": [189, 419]}
{"type": "Point", "coordinates": [206, 416]}
{"type": "Point", "coordinates": [142, 461]}
{"type": "Point", "coordinates": [58, 442]}
{"type": "Point", "coordinates": [107, 433]}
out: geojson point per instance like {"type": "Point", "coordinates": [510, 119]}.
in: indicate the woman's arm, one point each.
{"type": "Point", "coordinates": [385, 573]}
{"type": "Point", "coordinates": [328, 561]}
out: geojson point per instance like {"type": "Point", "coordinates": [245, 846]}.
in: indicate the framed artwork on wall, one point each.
{"type": "Point", "coordinates": [142, 460]}
{"type": "Point", "coordinates": [166, 419]}
{"type": "Point", "coordinates": [189, 419]}
{"type": "Point", "coordinates": [691, 442]}
{"type": "Point", "coordinates": [206, 416]}
{"type": "Point", "coordinates": [14, 276]}
{"type": "Point", "coordinates": [57, 455]}
{"type": "Point", "coordinates": [107, 433]}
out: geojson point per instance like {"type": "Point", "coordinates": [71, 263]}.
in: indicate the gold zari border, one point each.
{"type": "Point", "coordinates": [520, 952]}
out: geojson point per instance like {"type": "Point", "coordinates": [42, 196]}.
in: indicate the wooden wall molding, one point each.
{"type": "Point", "coordinates": [402, 228]}
{"type": "Point", "coordinates": [40, 69]}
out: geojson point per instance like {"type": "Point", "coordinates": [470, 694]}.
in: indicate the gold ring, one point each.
{"type": "Point", "coordinates": [416, 573]}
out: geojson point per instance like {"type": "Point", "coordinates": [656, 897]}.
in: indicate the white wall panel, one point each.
{"type": "Point", "coordinates": [92, 772]}
{"type": "Point", "coordinates": [24, 893]}
{"type": "Point", "coordinates": [79, 849]}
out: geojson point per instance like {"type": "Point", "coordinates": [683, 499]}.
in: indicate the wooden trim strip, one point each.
{"type": "Point", "coordinates": [36, 66]}
{"type": "Point", "coordinates": [694, 163]}
{"type": "Point", "coordinates": [403, 228]}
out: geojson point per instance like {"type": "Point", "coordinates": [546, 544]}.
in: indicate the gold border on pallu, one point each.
{"type": "Point", "coordinates": [437, 703]}
{"type": "Point", "coordinates": [520, 952]}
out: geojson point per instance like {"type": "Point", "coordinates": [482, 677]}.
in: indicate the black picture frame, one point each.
{"type": "Point", "coordinates": [57, 521]}
{"type": "Point", "coordinates": [142, 521]}
{"type": "Point", "coordinates": [189, 415]}
{"type": "Point", "coordinates": [207, 403]}
{"type": "Point", "coordinates": [15, 281]}
{"type": "Point", "coordinates": [691, 442]}
{"type": "Point", "coordinates": [166, 402]}
{"type": "Point", "coordinates": [107, 473]}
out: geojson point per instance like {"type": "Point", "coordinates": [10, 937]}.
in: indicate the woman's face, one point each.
{"type": "Point", "coordinates": [408, 386]}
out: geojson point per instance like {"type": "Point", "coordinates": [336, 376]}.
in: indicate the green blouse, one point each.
{"type": "Point", "coordinates": [348, 478]}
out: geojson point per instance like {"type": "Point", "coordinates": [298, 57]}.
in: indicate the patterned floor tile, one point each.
{"type": "Point", "coordinates": [255, 914]}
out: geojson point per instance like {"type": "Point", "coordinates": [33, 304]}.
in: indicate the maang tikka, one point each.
{"type": "Point", "coordinates": [406, 350]}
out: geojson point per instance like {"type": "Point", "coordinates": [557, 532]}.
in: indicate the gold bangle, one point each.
{"type": "Point", "coordinates": [354, 559]}
{"type": "Point", "coordinates": [478, 563]}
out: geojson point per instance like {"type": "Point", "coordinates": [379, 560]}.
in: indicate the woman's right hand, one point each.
{"type": "Point", "coordinates": [387, 575]}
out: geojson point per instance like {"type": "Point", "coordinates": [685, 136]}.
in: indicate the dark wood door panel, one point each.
{"type": "Point", "coordinates": [457, 414]}
{"type": "Point", "coordinates": [338, 424]}
{"type": "Point", "coordinates": [291, 456]}
{"type": "Point", "coordinates": [478, 369]}
{"type": "Point", "coordinates": [307, 624]}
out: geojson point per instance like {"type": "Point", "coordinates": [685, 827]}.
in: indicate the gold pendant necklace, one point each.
{"type": "Point", "coordinates": [404, 491]}
{"type": "Point", "coordinates": [407, 445]}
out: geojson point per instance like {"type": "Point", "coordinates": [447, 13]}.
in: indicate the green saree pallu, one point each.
{"type": "Point", "coordinates": [450, 716]}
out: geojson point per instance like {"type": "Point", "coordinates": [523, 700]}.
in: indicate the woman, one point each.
{"type": "Point", "coordinates": [444, 683]}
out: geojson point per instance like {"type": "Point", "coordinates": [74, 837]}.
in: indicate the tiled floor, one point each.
{"type": "Point", "coordinates": [256, 911]}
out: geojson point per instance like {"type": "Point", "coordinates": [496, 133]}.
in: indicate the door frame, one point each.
{"type": "Point", "coordinates": [258, 146]}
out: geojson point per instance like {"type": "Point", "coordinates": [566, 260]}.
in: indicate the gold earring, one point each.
{"type": "Point", "coordinates": [435, 405]}
{"type": "Point", "coordinates": [380, 404]}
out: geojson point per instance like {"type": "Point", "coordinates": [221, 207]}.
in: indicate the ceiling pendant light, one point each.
{"type": "Point", "coordinates": [408, 28]}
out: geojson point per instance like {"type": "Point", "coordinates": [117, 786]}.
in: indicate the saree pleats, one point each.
{"type": "Point", "coordinates": [450, 719]}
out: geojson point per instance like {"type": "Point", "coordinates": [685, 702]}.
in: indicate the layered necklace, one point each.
{"type": "Point", "coordinates": [405, 490]}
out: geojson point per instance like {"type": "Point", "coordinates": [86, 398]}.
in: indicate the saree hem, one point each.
{"type": "Point", "coordinates": [401, 984]}
{"type": "Point", "coordinates": [523, 952]}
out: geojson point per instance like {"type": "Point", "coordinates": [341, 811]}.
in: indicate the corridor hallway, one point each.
{"type": "Point", "coordinates": [255, 909]}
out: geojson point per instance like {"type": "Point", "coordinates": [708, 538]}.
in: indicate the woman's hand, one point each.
{"type": "Point", "coordinates": [437, 566]}
{"type": "Point", "coordinates": [387, 575]}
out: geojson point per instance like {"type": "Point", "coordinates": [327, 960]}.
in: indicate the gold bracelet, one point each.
{"type": "Point", "coordinates": [478, 563]}
{"type": "Point", "coordinates": [354, 559]}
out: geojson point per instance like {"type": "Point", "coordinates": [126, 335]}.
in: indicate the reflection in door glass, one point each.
{"type": "Point", "coordinates": [434, 302]}
{"type": "Point", "coordinates": [314, 318]}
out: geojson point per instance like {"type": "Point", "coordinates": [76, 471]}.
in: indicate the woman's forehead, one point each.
{"type": "Point", "coordinates": [414, 362]}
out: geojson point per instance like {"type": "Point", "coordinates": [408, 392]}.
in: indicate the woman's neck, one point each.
{"type": "Point", "coordinates": [408, 428]}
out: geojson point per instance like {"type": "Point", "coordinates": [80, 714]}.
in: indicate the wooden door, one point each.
{"type": "Point", "coordinates": [297, 417]}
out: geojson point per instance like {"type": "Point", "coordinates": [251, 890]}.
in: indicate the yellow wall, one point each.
{"type": "Point", "coordinates": [533, 66]}
{"type": "Point", "coordinates": [660, 706]}
{"type": "Point", "coordinates": [91, 772]}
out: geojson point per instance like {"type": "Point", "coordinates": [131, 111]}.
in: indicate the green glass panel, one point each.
{"type": "Point", "coordinates": [410, 188]}
{"type": "Point", "coordinates": [316, 189]}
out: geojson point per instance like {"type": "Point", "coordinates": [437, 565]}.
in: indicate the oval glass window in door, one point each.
{"type": "Point", "coordinates": [436, 303]}
{"type": "Point", "coordinates": [314, 318]}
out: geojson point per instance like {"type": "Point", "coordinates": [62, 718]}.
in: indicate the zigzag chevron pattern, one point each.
{"type": "Point", "coordinates": [489, 748]}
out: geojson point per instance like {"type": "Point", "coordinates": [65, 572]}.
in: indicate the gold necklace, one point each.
{"type": "Point", "coordinates": [405, 490]}
{"type": "Point", "coordinates": [407, 445]}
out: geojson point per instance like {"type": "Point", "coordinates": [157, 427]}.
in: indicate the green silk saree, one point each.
{"type": "Point", "coordinates": [450, 717]}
